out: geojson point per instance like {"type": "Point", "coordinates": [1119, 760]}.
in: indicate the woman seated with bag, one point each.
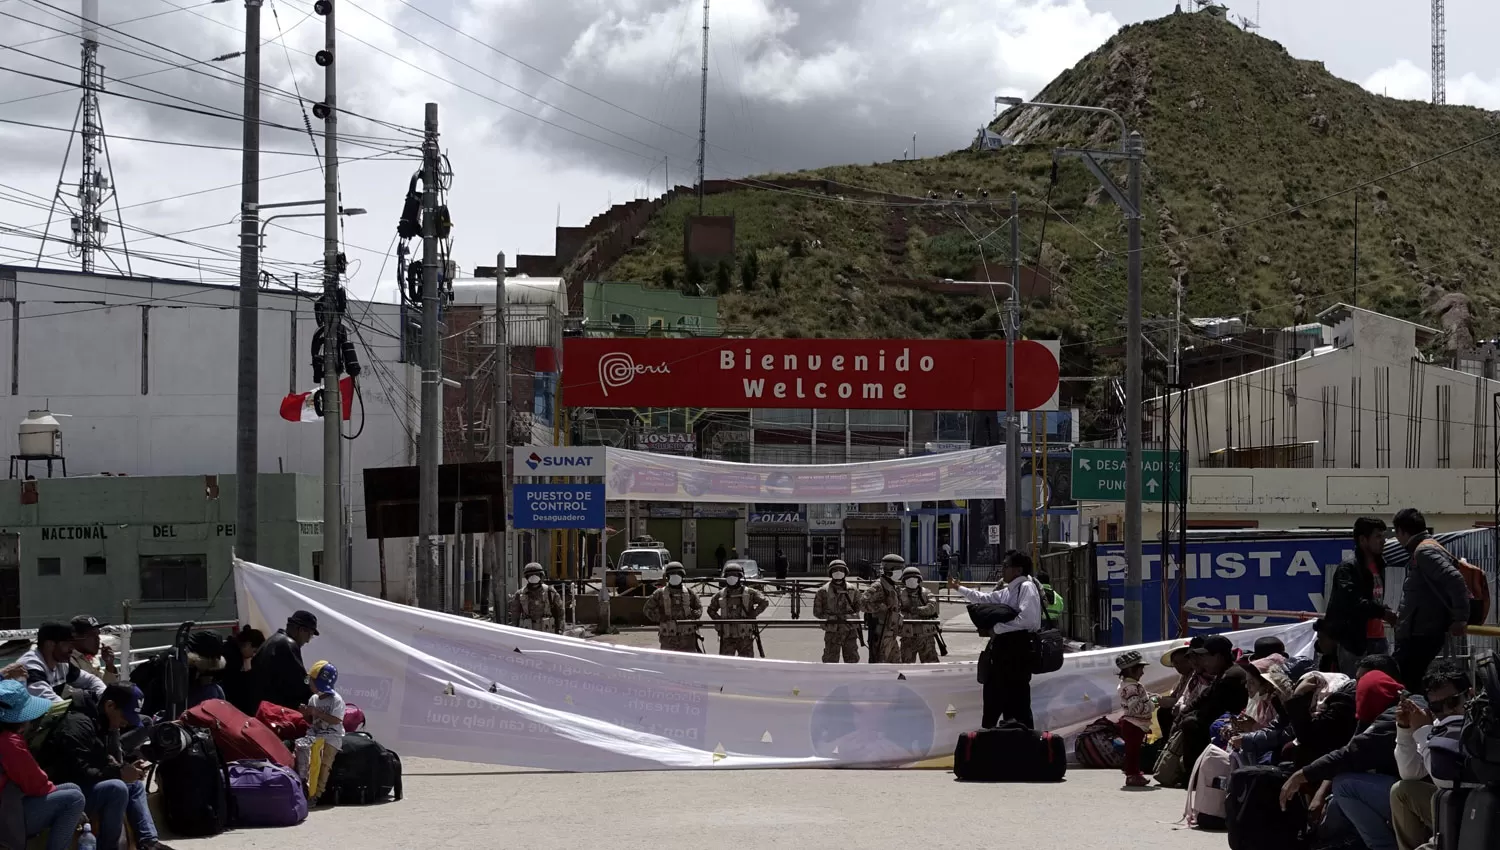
{"type": "Point", "coordinates": [43, 806]}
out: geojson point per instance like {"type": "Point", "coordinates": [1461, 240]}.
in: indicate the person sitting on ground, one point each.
{"type": "Point", "coordinates": [205, 657]}
{"type": "Point", "coordinates": [45, 807]}
{"type": "Point", "coordinates": [237, 678]}
{"type": "Point", "coordinates": [90, 651]}
{"type": "Point", "coordinates": [50, 671]}
{"type": "Point", "coordinates": [1361, 772]}
{"type": "Point", "coordinates": [1135, 722]}
{"type": "Point", "coordinates": [1268, 729]}
{"type": "Point", "coordinates": [1227, 693]}
{"type": "Point", "coordinates": [1448, 689]}
{"type": "Point", "coordinates": [1321, 713]}
{"type": "Point", "coordinates": [1190, 683]}
{"type": "Point", "coordinates": [280, 674]}
{"type": "Point", "coordinates": [85, 750]}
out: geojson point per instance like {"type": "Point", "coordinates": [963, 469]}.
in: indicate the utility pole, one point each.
{"type": "Point", "coordinates": [333, 406]}
{"type": "Point", "coordinates": [1135, 148]}
{"type": "Point", "coordinates": [703, 110]}
{"type": "Point", "coordinates": [247, 435]}
{"type": "Point", "coordinates": [429, 542]}
{"type": "Point", "coordinates": [1012, 416]}
{"type": "Point", "coordinates": [499, 559]}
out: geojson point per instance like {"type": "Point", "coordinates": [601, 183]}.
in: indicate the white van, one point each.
{"type": "Point", "coordinates": [647, 558]}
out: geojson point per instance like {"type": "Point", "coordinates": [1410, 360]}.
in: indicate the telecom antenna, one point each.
{"type": "Point", "coordinates": [96, 182]}
{"type": "Point", "coordinates": [703, 110]}
{"type": "Point", "coordinates": [1249, 24]}
{"type": "Point", "coordinates": [1439, 54]}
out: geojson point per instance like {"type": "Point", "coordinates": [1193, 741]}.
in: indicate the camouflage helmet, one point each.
{"type": "Point", "coordinates": [910, 572]}
{"type": "Point", "coordinates": [674, 567]}
{"type": "Point", "coordinates": [732, 569]}
{"type": "Point", "coordinates": [892, 562]}
{"type": "Point", "coordinates": [534, 568]}
{"type": "Point", "coordinates": [837, 564]}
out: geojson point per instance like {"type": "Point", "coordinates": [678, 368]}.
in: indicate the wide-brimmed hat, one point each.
{"type": "Point", "coordinates": [305, 619]}
{"type": "Point", "coordinates": [17, 705]}
{"type": "Point", "coordinates": [1127, 660]}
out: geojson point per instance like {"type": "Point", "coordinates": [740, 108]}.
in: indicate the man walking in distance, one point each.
{"type": "Point", "coordinates": [1434, 599]}
{"type": "Point", "coordinates": [737, 602]}
{"type": "Point", "coordinates": [918, 640]}
{"type": "Point", "coordinates": [883, 602]}
{"type": "Point", "coordinates": [536, 606]}
{"type": "Point", "coordinates": [1357, 615]}
{"type": "Point", "coordinates": [837, 605]}
{"type": "Point", "coordinates": [675, 610]}
{"type": "Point", "coordinates": [1005, 665]}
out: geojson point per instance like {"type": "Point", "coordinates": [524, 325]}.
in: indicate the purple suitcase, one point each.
{"type": "Point", "coordinates": [266, 794]}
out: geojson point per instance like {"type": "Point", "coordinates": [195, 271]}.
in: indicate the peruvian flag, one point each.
{"type": "Point", "coordinates": [308, 406]}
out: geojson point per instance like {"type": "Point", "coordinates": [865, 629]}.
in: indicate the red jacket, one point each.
{"type": "Point", "coordinates": [21, 768]}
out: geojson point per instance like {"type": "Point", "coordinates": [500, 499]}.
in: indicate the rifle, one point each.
{"type": "Point", "coordinates": [942, 645]}
{"type": "Point", "coordinates": [760, 647]}
{"type": "Point", "coordinates": [876, 628]}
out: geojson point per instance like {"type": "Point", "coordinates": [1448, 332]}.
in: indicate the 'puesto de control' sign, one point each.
{"type": "Point", "coordinates": [870, 374]}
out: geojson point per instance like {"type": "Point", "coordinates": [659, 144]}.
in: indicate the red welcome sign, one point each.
{"type": "Point", "coordinates": [866, 374]}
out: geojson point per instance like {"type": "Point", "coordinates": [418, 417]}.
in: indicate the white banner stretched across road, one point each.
{"type": "Point", "coordinates": [651, 476]}
{"type": "Point", "coordinates": [529, 699]}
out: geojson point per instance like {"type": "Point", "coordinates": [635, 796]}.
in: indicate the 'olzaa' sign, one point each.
{"type": "Point", "coordinates": [871, 374]}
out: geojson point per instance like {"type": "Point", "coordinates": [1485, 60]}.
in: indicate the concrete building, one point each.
{"type": "Point", "coordinates": [143, 549]}
{"type": "Point", "coordinates": [1363, 424]}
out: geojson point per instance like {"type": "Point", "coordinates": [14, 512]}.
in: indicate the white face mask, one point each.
{"type": "Point", "coordinates": [731, 580]}
{"type": "Point", "coordinates": [838, 575]}
{"type": "Point", "coordinates": [914, 583]}
{"type": "Point", "coordinates": [533, 579]}
{"type": "Point", "coordinates": [674, 580]}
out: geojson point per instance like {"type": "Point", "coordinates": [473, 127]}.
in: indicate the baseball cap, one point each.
{"type": "Point", "coordinates": [128, 699]}
{"type": "Point", "coordinates": [305, 619]}
{"type": "Point", "coordinates": [19, 706]}
{"type": "Point", "coordinates": [85, 623]}
{"type": "Point", "coordinates": [54, 631]}
{"type": "Point", "coordinates": [323, 676]}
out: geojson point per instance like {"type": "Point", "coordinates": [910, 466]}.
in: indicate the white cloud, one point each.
{"type": "Point", "coordinates": [1406, 81]}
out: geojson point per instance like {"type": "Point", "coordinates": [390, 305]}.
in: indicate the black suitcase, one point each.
{"type": "Point", "coordinates": [1448, 811]}
{"type": "Point", "coordinates": [1253, 813]}
{"type": "Point", "coordinates": [1480, 829]}
{"type": "Point", "coordinates": [1010, 753]}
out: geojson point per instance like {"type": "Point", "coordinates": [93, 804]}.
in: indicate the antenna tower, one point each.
{"type": "Point", "coordinates": [703, 110]}
{"type": "Point", "coordinates": [96, 182]}
{"type": "Point", "coordinates": [1439, 53]}
{"type": "Point", "coordinates": [1249, 24]}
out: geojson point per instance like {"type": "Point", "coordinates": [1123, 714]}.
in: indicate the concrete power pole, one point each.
{"type": "Point", "coordinates": [429, 542]}
{"type": "Point", "coordinates": [499, 559]}
{"type": "Point", "coordinates": [333, 406]}
{"type": "Point", "coordinates": [247, 436]}
{"type": "Point", "coordinates": [1135, 150]}
{"type": "Point", "coordinates": [1013, 416]}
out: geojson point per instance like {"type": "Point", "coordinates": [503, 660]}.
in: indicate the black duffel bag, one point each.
{"type": "Point", "coordinates": [1010, 752]}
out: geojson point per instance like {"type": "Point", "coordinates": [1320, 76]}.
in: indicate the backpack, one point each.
{"type": "Point", "coordinates": [1253, 814]}
{"type": "Point", "coordinates": [1475, 583]}
{"type": "Point", "coordinates": [1098, 745]}
{"type": "Point", "coordinates": [1208, 788]}
{"type": "Point", "coordinates": [43, 727]}
{"type": "Point", "coordinates": [363, 772]}
{"type": "Point", "coordinates": [1480, 738]}
{"type": "Point", "coordinates": [194, 785]}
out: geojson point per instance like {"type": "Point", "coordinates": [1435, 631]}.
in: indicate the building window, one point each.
{"type": "Point", "coordinates": [174, 578]}
{"type": "Point", "coordinates": [49, 566]}
{"type": "Point", "coordinates": [95, 565]}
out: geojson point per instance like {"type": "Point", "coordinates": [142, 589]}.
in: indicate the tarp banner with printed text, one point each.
{"type": "Point", "coordinates": [443, 686]}
{"type": "Point", "coordinates": [839, 374]}
{"type": "Point", "coordinates": [651, 476]}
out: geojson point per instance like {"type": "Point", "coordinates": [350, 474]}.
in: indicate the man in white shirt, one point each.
{"type": "Point", "coordinates": [1007, 687]}
{"type": "Point", "coordinates": [1448, 689]}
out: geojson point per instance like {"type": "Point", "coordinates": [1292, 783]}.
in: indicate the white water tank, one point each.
{"type": "Point", "coordinates": [41, 435]}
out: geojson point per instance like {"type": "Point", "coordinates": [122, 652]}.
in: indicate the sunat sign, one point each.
{"type": "Point", "coordinates": [558, 461]}
{"type": "Point", "coordinates": [872, 374]}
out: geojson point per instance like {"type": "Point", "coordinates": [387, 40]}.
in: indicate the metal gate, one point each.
{"type": "Point", "coordinates": [763, 546]}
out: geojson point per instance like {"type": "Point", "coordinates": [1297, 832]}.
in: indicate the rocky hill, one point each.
{"type": "Point", "coordinates": [1254, 165]}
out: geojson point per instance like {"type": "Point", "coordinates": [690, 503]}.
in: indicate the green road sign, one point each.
{"type": "Point", "coordinates": [1099, 475]}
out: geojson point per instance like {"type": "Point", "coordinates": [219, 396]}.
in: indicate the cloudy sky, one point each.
{"type": "Point", "coordinates": [553, 109]}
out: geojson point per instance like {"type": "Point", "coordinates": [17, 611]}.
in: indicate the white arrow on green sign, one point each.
{"type": "Point", "coordinates": [1099, 475]}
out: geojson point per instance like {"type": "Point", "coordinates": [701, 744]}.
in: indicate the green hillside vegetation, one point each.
{"type": "Point", "coordinates": [1243, 143]}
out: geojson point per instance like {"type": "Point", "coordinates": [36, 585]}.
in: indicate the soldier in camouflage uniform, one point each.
{"type": "Point", "coordinates": [536, 606]}
{"type": "Point", "coordinates": [737, 602]}
{"type": "Point", "coordinates": [883, 602]}
{"type": "Point", "coordinates": [675, 610]}
{"type": "Point", "coordinates": [837, 605]}
{"type": "Point", "coordinates": [918, 640]}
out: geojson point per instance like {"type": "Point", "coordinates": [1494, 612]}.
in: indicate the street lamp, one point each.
{"type": "Point", "coordinates": [266, 222]}
{"type": "Point", "coordinates": [1132, 150]}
